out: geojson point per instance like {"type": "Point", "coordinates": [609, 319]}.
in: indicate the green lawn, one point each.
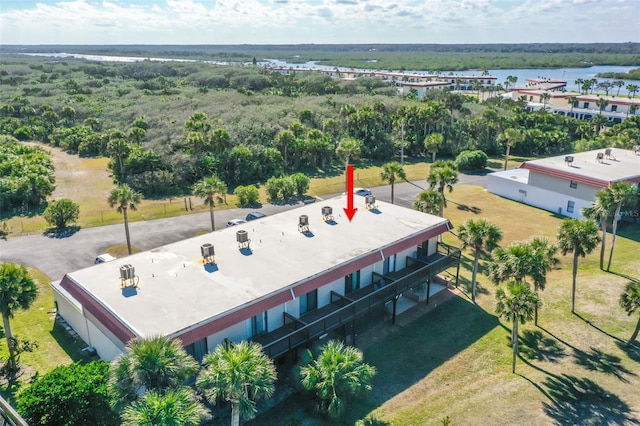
{"type": "Point", "coordinates": [456, 360]}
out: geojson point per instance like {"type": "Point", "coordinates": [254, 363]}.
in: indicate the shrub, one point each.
{"type": "Point", "coordinates": [62, 212]}
{"type": "Point", "coordinates": [73, 394]}
{"type": "Point", "coordinates": [273, 189]}
{"type": "Point", "coordinates": [471, 160]}
{"type": "Point", "coordinates": [247, 195]}
{"type": "Point", "coordinates": [301, 182]}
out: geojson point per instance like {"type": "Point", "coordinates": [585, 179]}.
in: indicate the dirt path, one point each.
{"type": "Point", "coordinates": [84, 180]}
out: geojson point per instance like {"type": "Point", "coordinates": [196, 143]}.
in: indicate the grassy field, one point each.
{"type": "Point", "coordinates": [455, 361]}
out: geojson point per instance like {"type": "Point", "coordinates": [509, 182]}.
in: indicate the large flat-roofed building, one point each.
{"type": "Point", "coordinates": [283, 280]}
{"type": "Point", "coordinates": [566, 184]}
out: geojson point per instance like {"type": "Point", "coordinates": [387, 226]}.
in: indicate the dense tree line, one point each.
{"type": "Point", "coordinates": [26, 175]}
{"type": "Point", "coordinates": [166, 126]}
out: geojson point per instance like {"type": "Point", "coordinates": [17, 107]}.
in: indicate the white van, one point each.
{"type": "Point", "coordinates": [103, 258]}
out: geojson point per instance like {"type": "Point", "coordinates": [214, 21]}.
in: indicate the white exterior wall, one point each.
{"type": "Point", "coordinates": [108, 347]}
{"type": "Point", "coordinates": [237, 332]}
{"type": "Point", "coordinates": [324, 294]}
{"type": "Point", "coordinates": [104, 346]}
{"type": "Point", "coordinates": [536, 197]}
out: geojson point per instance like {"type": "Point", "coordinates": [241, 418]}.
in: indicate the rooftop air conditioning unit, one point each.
{"type": "Point", "coordinates": [599, 157]}
{"type": "Point", "coordinates": [242, 237]}
{"type": "Point", "coordinates": [127, 272]}
{"type": "Point", "coordinates": [370, 202]}
{"type": "Point", "coordinates": [303, 223]}
{"type": "Point", "coordinates": [568, 160]}
{"type": "Point", "coordinates": [327, 213]}
{"type": "Point", "coordinates": [207, 250]}
{"type": "Point", "coordinates": [636, 149]}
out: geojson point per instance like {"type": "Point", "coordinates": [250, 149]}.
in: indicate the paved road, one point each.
{"type": "Point", "coordinates": [57, 256]}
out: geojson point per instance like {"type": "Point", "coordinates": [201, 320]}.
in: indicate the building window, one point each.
{"type": "Point", "coordinates": [614, 108]}
{"type": "Point", "coordinates": [570, 206]}
{"type": "Point", "coordinates": [586, 105]}
{"type": "Point", "coordinates": [259, 324]}
{"type": "Point", "coordinates": [352, 282]}
{"type": "Point", "coordinates": [309, 302]}
{"type": "Point", "coordinates": [530, 98]}
{"type": "Point", "coordinates": [573, 184]}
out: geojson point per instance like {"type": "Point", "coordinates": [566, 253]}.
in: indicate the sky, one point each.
{"type": "Point", "coordinates": [317, 21]}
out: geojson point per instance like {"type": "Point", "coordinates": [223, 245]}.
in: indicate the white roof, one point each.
{"type": "Point", "coordinates": [177, 290]}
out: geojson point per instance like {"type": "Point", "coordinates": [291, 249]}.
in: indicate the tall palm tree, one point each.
{"type": "Point", "coordinates": [630, 302]}
{"type": "Point", "coordinates": [390, 172]}
{"type": "Point", "coordinates": [336, 375]}
{"type": "Point", "coordinates": [125, 198]}
{"type": "Point", "coordinates": [632, 89]}
{"type": "Point", "coordinates": [479, 235]}
{"type": "Point", "coordinates": [240, 374]}
{"type": "Point", "coordinates": [118, 149]}
{"type": "Point", "coordinates": [602, 103]}
{"type": "Point", "coordinates": [17, 291]}
{"type": "Point", "coordinates": [600, 212]}
{"type": "Point", "coordinates": [544, 97]}
{"type": "Point", "coordinates": [442, 174]}
{"type": "Point", "coordinates": [622, 194]}
{"type": "Point", "coordinates": [511, 137]}
{"type": "Point", "coordinates": [209, 189]}
{"type": "Point", "coordinates": [152, 364]}
{"type": "Point", "coordinates": [429, 201]}
{"type": "Point", "coordinates": [517, 305]}
{"type": "Point", "coordinates": [522, 261]}
{"type": "Point", "coordinates": [618, 84]}
{"type": "Point", "coordinates": [579, 237]}
{"type": "Point", "coordinates": [174, 407]}
{"type": "Point", "coordinates": [349, 149]}
{"type": "Point", "coordinates": [573, 102]}
{"type": "Point", "coordinates": [432, 144]}
{"type": "Point", "coordinates": [579, 82]}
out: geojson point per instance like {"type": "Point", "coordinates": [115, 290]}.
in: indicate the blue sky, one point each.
{"type": "Point", "coordinates": [317, 21]}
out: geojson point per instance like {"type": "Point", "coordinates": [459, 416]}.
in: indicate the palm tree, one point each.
{"type": "Point", "coordinates": [152, 364]}
{"type": "Point", "coordinates": [174, 407]}
{"type": "Point", "coordinates": [338, 374]}
{"type": "Point", "coordinates": [429, 201]}
{"type": "Point", "coordinates": [600, 211]}
{"type": "Point", "coordinates": [442, 174]}
{"type": "Point", "coordinates": [516, 306]}
{"type": "Point", "coordinates": [17, 291]}
{"type": "Point", "coordinates": [573, 102]}
{"type": "Point", "coordinates": [618, 84]}
{"type": "Point", "coordinates": [240, 374]}
{"type": "Point", "coordinates": [479, 235]}
{"type": "Point", "coordinates": [544, 97]}
{"type": "Point", "coordinates": [622, 193]}
{"type": "Point", "coordinates": [118, 149]}
{"type": "Point", "coordinates": [511, 137]}
{"type": "Point", "coordinates": [521, 260]}
{"type": "Point", "coordinates": [125, 198]}
{"type": "Point", "coordinates": [602, 103]}
{"type": "Point", "coordinates": [630, 302]}
{"type": "Point", "coordinates": [579, 82]}
{"type": "Point", "coordinates": [432, 143]}
{"type": "Point", "coordinates": [390, 172]}
{"type": "Point", "coordinates": [209, 188]}
{"type": "Point", "coordinates": [632, 89]}
{"type": "Point", "coordinates": [579, 237]}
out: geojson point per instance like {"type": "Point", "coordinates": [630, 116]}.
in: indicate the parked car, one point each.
{"type": "Point", "coordinates": [255, 215]}
{"type": "Point", "coordinates": [363, 192]}
{"type": "Point", "coordinates": [234, 222]}
{"type": "Point", "coordinates": [103, 258]}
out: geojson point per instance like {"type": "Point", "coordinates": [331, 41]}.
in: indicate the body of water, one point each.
{"type": "Point", "coordinates": [570, 75]}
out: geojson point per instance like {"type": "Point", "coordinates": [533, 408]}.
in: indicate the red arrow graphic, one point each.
{"type": "Point", "coordinates": [350, 211]}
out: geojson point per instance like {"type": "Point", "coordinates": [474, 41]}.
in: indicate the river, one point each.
{"type": "Point", "coordinates": [570, 75]}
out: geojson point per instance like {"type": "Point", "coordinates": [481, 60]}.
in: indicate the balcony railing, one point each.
{"type": "Point", "coordinates": [345, 309]}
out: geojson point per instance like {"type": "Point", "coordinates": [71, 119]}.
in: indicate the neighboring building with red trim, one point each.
{"type": "Point", "coordinates": [567, 183]}
{"type": "Point", "coordinates": [288, 285]}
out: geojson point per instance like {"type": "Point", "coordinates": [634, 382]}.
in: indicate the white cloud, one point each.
{"type": "Point", "coordinates": [319, 21]}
